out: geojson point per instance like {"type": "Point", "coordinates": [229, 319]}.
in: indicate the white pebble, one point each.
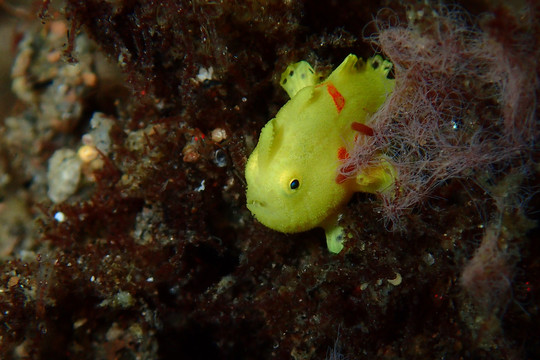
{"type": "Point", "coordinates": [63, 174]}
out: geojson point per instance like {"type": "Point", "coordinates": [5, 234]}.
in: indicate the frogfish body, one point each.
{"type": "Point", "coordinates": [293, 181]}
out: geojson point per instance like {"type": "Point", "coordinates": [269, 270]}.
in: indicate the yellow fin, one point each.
{"type": "Point", "coordinates": [335, 235]}
{"type": "Point", "coordinates": [379, 178]}
{"type": "Point", "coordinates": [297, 76]}
{"type": "Point", "coordinates": [352, 64]}
{"type": "Point", "coordinates": [349, 65]}
{"type": "Point", "coordinates": [377, 63]}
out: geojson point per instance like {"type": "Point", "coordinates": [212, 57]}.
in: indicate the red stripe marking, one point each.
{"type": "Point", "coordinates": [361, 128]}
{"type": "Point", "coordinates": [339, 100]}
{"type": "Point", "coordinates": [341, 178]}
{"type": "Point", "coordinates": [342, 153]}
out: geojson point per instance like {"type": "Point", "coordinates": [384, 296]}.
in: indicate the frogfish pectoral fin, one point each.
{"type": "Point", "coordinates": [379, 178]}
{"type": "Point", "coordinates": [335, 235]}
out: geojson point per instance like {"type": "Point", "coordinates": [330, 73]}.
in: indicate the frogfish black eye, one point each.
{"type": "Point", "coordinates": [295, 184]}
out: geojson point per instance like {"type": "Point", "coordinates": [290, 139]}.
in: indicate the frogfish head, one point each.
{"type": "Point", "coordinates": [288, 188]}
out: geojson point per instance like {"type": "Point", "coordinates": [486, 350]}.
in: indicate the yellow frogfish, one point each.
{"type": "Point", "coordinates": [293, 178]}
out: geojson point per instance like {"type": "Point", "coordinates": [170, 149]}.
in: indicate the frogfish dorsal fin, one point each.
{"type": "Point", "coordinates": [298, 76]}
{"type": "Point", "coordinates": [352, 64]}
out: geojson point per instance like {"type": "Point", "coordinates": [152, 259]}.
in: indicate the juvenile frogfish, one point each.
{"type": "Point", "coordinates": [293, 181]}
